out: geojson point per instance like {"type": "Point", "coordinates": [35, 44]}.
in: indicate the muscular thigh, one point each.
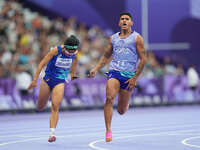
{"type": "Point", "coordinates": [124, 97]}
{"type": "Point", "coordinates": [44, 92]}
{"type": "Point", "coordinates": [112, 87]}
{"type": "Point", "coordinates": [57, 94]}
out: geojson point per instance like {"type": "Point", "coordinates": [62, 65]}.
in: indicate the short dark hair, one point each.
{"type": "Point", "coordinates": [126, 13]}
{"type": "Point", "coordinates": [72, 41]}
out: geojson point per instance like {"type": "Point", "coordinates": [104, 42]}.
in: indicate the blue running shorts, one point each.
{"type": "Point", "coordinates": [122, 77]}
{"type": "Point", "coordinates": [52, 82]}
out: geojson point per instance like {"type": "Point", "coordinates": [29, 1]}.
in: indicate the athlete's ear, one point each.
{"type": "Point", "coordinates": [132, 23]}
{"type": "Point", "coordinates": [119, 22]}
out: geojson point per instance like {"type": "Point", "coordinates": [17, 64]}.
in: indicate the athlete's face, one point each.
{"type": "Point", "coordinates": [70, 52]}
{"type": "Point", "coordinates": [125, 22]}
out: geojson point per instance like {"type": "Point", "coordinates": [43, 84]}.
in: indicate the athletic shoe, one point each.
{"type": "Point", "coordinates": [108, 136]}
{"type": "Point", "coordinates": [52, 138]}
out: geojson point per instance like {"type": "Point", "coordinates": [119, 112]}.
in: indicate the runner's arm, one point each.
{"type": "Point", "coordinates": [105, 59]}
{"type": "Point", "coordinates": [44, 61]}
{"type": "Point", "coordinates": [73, 68]}
{"type": "Point", "coordinates": [142, 55]}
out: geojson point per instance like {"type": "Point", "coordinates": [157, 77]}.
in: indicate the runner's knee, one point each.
{"type": "Point", "coordinates": [55, 107]}
{"type": "Point", "coordinates": [109, 100]}
{"type": "Point", "coordinates": [40, 106]}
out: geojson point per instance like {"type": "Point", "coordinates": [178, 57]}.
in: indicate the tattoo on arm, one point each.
{"type": "Point", "coordinates": [144, 52]}
{"type": "Point", "coordinates": [141, 63]}
{"type": "Point", "coordinates": [142, 56]}
{"type": "Point", "coordinates": [107, 54]}
{"type": "Point", "coordinates": [139, 68]}
{"type": "Point", "coordinates": [102, 62]}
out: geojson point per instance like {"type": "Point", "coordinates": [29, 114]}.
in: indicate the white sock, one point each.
{"type": "Point", "coordinates": [52, 131]}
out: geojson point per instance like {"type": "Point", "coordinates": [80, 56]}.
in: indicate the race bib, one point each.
{"type": "Point", "coordinates": [63, 63]}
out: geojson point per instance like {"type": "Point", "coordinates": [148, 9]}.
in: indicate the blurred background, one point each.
{"type": "Point", "coordinates": [29, 28]}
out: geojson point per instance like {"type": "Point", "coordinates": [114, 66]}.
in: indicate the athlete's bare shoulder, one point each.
{"type": "Point", "coordinates": [53, 51]}
{"type": "Point", "coordinates": [139, 39]}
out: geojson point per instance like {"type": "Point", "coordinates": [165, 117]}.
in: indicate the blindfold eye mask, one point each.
{"type": "Point", "coordinates": [70, 50]}
{"type": "Point", "coordinates": [71, 47]}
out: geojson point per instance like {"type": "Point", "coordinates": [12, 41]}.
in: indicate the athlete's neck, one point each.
{"type": "Point", "coordinates": [124, 33]}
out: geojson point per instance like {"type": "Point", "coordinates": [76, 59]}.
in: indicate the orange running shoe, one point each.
{"type": "Point", "coordinates": [52, 139]}
{"type": "Point", "coordinates": [108, 136]}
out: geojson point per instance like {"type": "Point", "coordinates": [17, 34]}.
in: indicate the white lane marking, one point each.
{"type": "Point", "coordinates": [92, 144]}
{"type": "Point", "coordinates": [34, 139]}
{"type": "Point", "coordinates": [96, 133]}
{"type": "Point", "coordinates": [82, 129]}
{"type": "Point", "coordinates": [20, 141]}
{"type": "Point", "coordinates": [156, 128]}
{"type": "Point", "coordinates": [185, 142]}
{"type": "Point", "coordinates": [71, 126]}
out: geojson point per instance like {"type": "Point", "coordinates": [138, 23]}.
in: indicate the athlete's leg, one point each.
{"type": "Point", "coordinates": [123, 99]}
{"type": "Point", "coordinates": [43, 95]}
{"type": "Point", "coordinates": [112, 88]}
{"type": "Point", "coordinates": [57, 96]}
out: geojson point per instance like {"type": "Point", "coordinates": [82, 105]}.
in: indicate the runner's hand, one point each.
{"type": "Point", "coordinates": [131, 84]}
{"type": "Point", "coordinates": [92, 73]}
{"type": "Point", "coordinates": [32, 85]}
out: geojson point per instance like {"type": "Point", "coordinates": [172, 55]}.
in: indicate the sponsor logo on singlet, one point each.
{"type": "Point", "coordinates": [64, 62]}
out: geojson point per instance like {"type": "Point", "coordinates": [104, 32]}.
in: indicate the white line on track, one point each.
{"type": "Point", "coordinates": [92, 144]}
{"type": "Point", "coordinates": [100, 133]}
{"type": "Point", "coordinates": [38, 138]}
{"type": "Point", "coordinates": [82, 126]}
{"type": "Point", "coordinates": [82, 129]}
{"type": "Point", "coordinates": [185, 142]}
{"type": "Point", "coordinates": [20, 141]}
